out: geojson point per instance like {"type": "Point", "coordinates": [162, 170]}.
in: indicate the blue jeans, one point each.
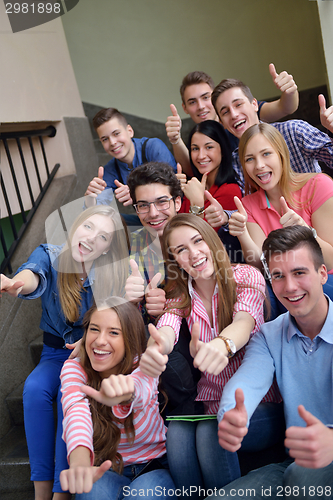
{"type": "Point", "coordinates": [197, 460]}
{"type": "Point", "coordinates": [284, 480]}
{"type": "Point", "coordinates": [130, 485]}
{"type": "Point", "coordinates": [48, 457]}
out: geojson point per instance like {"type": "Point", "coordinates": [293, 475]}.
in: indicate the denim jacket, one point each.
{"type": "Point", "coordinates": [53, 320]}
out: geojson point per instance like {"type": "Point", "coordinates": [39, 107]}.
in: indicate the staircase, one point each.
{"type": "Point", "coordinates": [15, 481]}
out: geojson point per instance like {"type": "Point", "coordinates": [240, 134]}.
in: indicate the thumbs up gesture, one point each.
{"type": "Point", "coordinates": [194, 190]}
{"type": "Point", "coordinates": [284, 82]}
{"type": "Point", "coordinates": [288, 216]}
{"type": "Point", "coordinates": [214, 213]}
{"type": "Point", "coordinates": [97, 185]}
{"type": "Point", "coordinates": [173, 125]}
{"type": "Point", "coordinates": [238, 220]}
{"type": "Point", "coordinates": [180, 176]}
{"type": "Point", "coordinates": [153, 362]}
{"type": "Point", "coordinates": [210, 356]}
{"type": "Point", "coordinates": [122, 193]}
{"type": "Point", "coordinates": [311, 446]}
{"type": "Point", "coordinates": [134, 288]}
{"type": "Point", "coordinates": [232, 428]}
{"type": "Point", "coordinates": [326, 114]}
{"type": "Point", "coordinates": [155, 297]}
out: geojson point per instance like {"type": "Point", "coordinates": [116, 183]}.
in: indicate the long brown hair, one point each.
{"type": "Point", "coordinates": [177, 284]}
{"type": "Point", "coordinates": [111, 270]}
{"type": "Point", "coordinates": [106, 431]}
{"type": "Point", "coordinates": [290, 181]}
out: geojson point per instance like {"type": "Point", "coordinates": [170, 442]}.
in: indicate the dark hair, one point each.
{"type": "Point", "coordinates": [289, 238]}
{"type": "Point", "coordinates": [154, 172]}
{"type": "Point", "coordinates": [227, 84]}
{"type": "Point", "coordinates": [194, 78]}
{"type": "Point", "coordinates": [106, 432]}
{"type": "Point", "coordinates": [216, 132]}
{"type": "Point", "coordinates": [107, 114]}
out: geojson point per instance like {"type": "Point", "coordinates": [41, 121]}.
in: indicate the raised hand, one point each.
{"type": "Point", "coordinates": [80, 479]}
{"type": "Point", "coordinates": [180, 176]}
{"type": "Point", "coordinates": [311, 446]}
{"type": "Point", "coordinates": [283, 81]}
{"type": "Point", "coordinates": [76, 347]}
{"type": "Point", "coordinates": [97, 185]}
{"type": "Point", "coordinates": [288, 216]}
{"type": "Point", "coordinates": [10, 286]}
{"type": "Point", "coordinates": [134, 287]}
{"type": "Point", "coordinates": [173, 125]}
{"type": "Point", "coordinates": [116, 389]}
{"type": "Point", "coordinates": [232, 428]}
{"type": "Point", "coordinates": [326, 114]}
{"type": "Point", "coordinates": [153, 362]}
{"type": "Point", "coordinates": [208, 357]}
{"type": "Point", "coordinates": [214, 213]}
{"type": "Point", "coordinates": [155, 297]}
{"type": "Point", "coordinates": [238, 220]}
{"type": "Point", "coordinates": [194, 190]}
{"type": "Point", "coordinates": [122, 193]}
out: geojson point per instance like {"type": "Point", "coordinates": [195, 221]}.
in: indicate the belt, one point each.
{"type": "Point", "coordinates": [53, 341]}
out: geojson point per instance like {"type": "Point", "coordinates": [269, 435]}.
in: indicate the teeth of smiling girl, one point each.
{"type": "Point", "coordinates": [201, 261]}
{"type": "Point", "coordinates": [85, 245]}
{"type": "Point", "coordinates": [97, 351]}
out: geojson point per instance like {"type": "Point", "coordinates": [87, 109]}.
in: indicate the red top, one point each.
{"type": "Point", "coordinates": [223, 194]}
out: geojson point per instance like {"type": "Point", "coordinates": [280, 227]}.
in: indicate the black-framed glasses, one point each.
{"type": "Point", "coordinates": [143, 207]}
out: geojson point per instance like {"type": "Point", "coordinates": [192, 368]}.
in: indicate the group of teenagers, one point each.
{"type": "Point", "coordinates": [214, 300]}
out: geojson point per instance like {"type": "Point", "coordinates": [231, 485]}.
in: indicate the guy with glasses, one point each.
{"type": "Point", "coordinates": [156, 194]}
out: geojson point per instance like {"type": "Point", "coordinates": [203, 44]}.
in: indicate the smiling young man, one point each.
{"type": "Point", "coordinates": [196, 91]}
{"type": "Point", "coordinates": [157, 195]}
{"type": "Point", "coordinates": [117, 138]}
{"type": "Point", "coordinates": [297, 349]}
{"type": "Point", "coordinates": [237, 110]}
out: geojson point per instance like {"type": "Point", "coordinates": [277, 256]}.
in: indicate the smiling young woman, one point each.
{"type": "Point", "coordinates": [223, 307]}
{"type": "Point", "coordinates": [93, 262]}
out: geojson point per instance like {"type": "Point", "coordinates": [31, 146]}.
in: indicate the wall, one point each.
{"type": "Point", "coordinates": [138, 52]}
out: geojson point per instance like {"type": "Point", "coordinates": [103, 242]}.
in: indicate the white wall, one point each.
{"type": "Point", "coordinates": [133, 54]}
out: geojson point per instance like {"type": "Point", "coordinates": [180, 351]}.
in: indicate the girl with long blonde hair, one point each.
{"type": "Point", "coordinates": [92, 262]}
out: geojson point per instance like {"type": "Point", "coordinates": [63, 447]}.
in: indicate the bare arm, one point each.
{"type": "Point", "coordinates": [24, 282]}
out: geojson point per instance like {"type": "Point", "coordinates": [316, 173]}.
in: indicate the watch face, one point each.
{"type": "Point", "coordinates": [232, 346]}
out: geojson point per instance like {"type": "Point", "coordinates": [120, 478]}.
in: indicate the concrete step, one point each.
{"type": "Point", "coordinates": [14, 465]}
{"type": "Point", "coordinates": [36, 347]}
{"type": "Point", "coordinates": [15, 405]}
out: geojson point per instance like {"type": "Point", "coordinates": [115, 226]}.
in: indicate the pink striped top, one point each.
{"type": "Point", "coordinates": [250, 290]}
{"type": "Point", "coordinates": [149, 427]}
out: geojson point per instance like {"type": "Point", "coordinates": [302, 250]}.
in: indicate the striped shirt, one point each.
{"type": "Point", "coordinates": [250, 291]}
{"type": "Point", "coordinates": [149, 428]}
{"type": "Point", "coordinates": [307, 145]}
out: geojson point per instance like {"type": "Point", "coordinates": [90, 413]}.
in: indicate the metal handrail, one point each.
{"type": "Point", "coordinates": [49, 131]}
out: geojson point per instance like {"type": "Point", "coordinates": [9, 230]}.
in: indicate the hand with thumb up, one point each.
{"type": "Point", "coordinates": [134, 287]}
{"type": "Point", "coordinates": [214, 213]}
{"type": "Point", "coordinates": [238, 220]}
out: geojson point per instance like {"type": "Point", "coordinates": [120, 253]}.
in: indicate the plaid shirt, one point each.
{"type": "Point", "coordinates": [307, 145]}
{"type": "Point", "coordinates": [144, 254]}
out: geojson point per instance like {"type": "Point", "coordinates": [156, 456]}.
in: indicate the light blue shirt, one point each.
{"type": "Point", "coordinates": [303, 369]}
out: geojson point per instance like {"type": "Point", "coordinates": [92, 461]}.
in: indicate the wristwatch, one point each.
{"type": "Point", "coordinates": [195, 210]}
{"type": "Point", "coordinates": [230, 345]}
